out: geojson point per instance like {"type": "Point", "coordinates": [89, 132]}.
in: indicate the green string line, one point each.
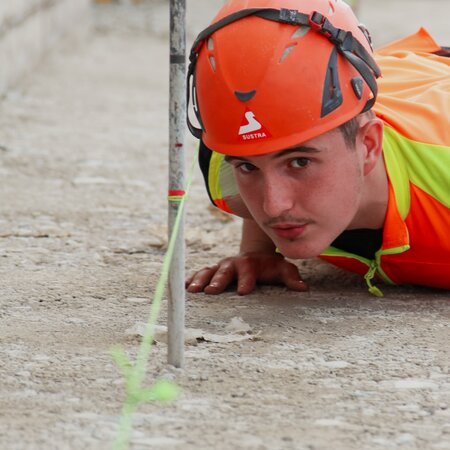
{"type": "Point", "coordinates": [175, 198]}
{"type": "Point", "coordinates": [134, 374]}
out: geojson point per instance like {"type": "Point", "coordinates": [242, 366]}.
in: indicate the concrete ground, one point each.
{"type": "Point", "coordinates": [83, 163]}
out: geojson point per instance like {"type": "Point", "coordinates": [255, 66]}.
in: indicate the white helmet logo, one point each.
{"type": "Point", "coordinates": [252, 125]}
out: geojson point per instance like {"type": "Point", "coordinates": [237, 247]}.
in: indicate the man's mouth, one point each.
{"type": "Point", "coordinates": [289, 231]}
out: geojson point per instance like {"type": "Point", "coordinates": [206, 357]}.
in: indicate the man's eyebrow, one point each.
{"type": "Point", "coordinates": [229, 158]}
{"type": "Point", "coordinates": [288, 151]}
{"type": "Point", "coordinates": [298, 149]}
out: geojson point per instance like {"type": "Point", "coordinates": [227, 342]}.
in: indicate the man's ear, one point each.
{"type": "Point", "coordinates": [370, 137]}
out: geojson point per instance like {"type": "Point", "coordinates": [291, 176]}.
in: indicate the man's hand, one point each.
{"type": "Point", "coordinates": [247, 269]}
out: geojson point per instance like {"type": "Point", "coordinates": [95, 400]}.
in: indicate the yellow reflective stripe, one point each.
{"type": "Point", "coordinates": [424, 165]}
{"type": "Point", "coordinates": [398, 176]}
{"type": "Point", "coordinates": [215, 187]}
{"type": "Point", "coordinates": [393, 251]}
{"type": "Point", "coordinates": [373, 267]}
{"type": "Point", "coordinates": [372, 264]}
{"type": "Point", "coordinates": [333, 251]}
{"type": "Point", "coordinates": [389, 251]}
{"type": "Point", "coordinates": [380, 271]}
{"type": "Point", "coordinates": [369, 277]}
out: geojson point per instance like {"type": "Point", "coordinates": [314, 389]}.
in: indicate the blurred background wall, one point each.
{"type": "Point", "coordinates": [29, 28]}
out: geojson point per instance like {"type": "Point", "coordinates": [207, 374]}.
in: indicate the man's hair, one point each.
{"type": "Point", "coordinates": [350, 129]}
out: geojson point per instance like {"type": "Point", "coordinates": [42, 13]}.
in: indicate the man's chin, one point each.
{"type": "Point", "coordinates": [293, 253]}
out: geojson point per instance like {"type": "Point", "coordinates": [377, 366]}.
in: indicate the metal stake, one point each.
{"type": "Point", "coordinates": [177, 121]}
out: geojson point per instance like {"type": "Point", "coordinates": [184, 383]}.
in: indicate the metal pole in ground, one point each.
{"type": "Point", "coordinates": [177, 121]}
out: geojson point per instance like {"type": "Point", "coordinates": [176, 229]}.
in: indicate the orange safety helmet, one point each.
{"type": "Point", "coordinates": [270, 74]}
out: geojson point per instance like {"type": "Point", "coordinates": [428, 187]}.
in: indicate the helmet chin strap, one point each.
{"type": "Point", "coordinates": [344, 41]}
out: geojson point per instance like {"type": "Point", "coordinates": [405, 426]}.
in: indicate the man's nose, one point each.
{"type": "Point", "coordinates": [278, 196]}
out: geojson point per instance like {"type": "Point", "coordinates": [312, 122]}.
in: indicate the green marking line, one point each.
{"type": "Point", "coordinates": [162, 390]}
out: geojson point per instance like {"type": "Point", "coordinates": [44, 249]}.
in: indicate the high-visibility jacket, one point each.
{"type": "Point", "coordinates": [414, 104]}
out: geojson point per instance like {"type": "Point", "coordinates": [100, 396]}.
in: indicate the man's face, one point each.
{"type": "Point", "coordinates": [303, 197]}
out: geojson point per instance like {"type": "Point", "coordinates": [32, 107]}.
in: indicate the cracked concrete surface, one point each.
{"type": "Point", "coordinates": [82, 232]}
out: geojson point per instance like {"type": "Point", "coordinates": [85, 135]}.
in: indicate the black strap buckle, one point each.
{"type": "Point", "coordinates": [341, 38]}
{"type": "Point", "coordinates": [321, 24]}
{"type": "Point", "coordinates": [316, 21]}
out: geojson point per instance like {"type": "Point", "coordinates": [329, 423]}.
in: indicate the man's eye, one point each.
{"type": "Point", "coordinates": [245, 167]}
{"type": "Point", "coordinates": [300, 163]}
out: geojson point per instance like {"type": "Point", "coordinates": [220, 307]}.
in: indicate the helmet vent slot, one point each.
{"type": "Point", "coordinates": [300, 32]}
{"type": "Point", "coordinates": [331, 10]}
{"type": "Point", "coordinates": [357, 85]}
{"type": "Point", "coordinates": [212, 61]}
{"type": "Point", "coordinates": [332, 94]}
{"type": "Point", "coordinates": [286, 52]}
{"type": "Point", "coordinates": [245, 96]}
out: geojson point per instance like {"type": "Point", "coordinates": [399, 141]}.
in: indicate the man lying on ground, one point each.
{"type": "Point", "coordinates": [321, 156]}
